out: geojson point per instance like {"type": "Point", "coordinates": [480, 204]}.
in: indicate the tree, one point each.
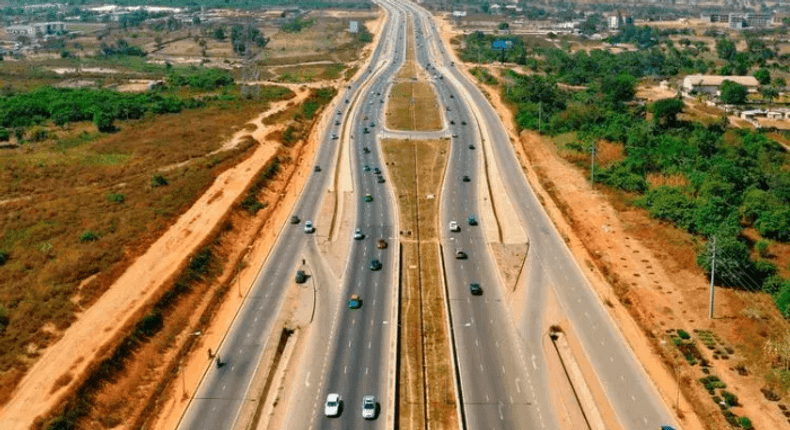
{"type": "Point", "coordinates": [219, 34]}
{"type": "Point", "coordinates": [769, 93]}
{"type": "Point", "coordinates": [665, 111]}
{"type": "Point", "coordinates": [763, 76]}
{"type": "Point", "coordinates": [503, 26]}
{"type": "Point", "coordinates": [103, 121]}
{"type": "Point", "coordinates": [725, 48]}
{"type": "Point", "coordinates": [780, 82]}
{"type": "Point", "coordinates": [733, 93]}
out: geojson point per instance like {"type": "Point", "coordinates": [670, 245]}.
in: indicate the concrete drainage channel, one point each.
{"type": "Point", "coordinates": [285, 336]}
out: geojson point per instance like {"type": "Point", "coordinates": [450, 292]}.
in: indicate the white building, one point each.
{"type": "Point", "coordinates": [36, 29]}
{"type": "Point", "coordinates": [711, 84]}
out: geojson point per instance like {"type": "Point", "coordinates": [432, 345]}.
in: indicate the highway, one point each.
{"type": "Point", "coordinates": [552, 266]}
{"type": "Point", "coordinates": [224, 389]}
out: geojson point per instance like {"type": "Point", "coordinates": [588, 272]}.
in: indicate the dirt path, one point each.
{"type": "Point", "coordinates": [95, 328]}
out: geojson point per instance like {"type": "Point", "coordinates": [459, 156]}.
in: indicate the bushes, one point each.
{"type": "Point", "coordinates": [88, 236]}
{"type": "Point", "coordinates": [158, 180]}
{"type": "Point", "coordinates": [205, 79]}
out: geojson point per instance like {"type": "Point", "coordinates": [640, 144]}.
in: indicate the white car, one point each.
{"type": "Point", "coordinates": [358, 235]}
{"type": "Point", "coordinates": [453, 226]}
{"type": "Point", "coordinates": [308, 227]}
{"type": "Point", "coordinates": [332, 406]}
{"type": "Point", "coordinates": [369, 407]}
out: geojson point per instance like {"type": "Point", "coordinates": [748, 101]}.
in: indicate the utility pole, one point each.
{"type": "Point", "coordinates": [592, 165]}
{"type": "Point", "coordinates": [712, 273]}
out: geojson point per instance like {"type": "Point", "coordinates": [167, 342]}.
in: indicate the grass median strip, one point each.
{"type": "Point", "coordinates": [426, 393]}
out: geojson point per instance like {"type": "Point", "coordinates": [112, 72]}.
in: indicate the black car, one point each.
{"type": "Point", "coordinates": [472, 220]}
{"type": "Point", "coordinates": [376, 171]}
{"type": "Point", "coordinates": [471, 146]}
{"type": "Point", "coordinates": [475, 289]}
{"type": "Point", "coordinates": [301, 277]}
{"type": "Point", "coordinates": [366, 150]}
{"type": "Point", "coordinates": [380, 179]}
{"type": "Point", "coordinates": [463, 122]}
{"type": "Point", "coordinates": [375, 264]}
{"type": "Point", "coordinates": [295, 219]}
{"type": "Point", "coordinates": [317, 169]}
{"type": "Point", "coordinates": [466, 178]}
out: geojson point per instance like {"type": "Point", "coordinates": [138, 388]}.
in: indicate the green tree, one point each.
{"type": "Point", "coordinates": [769, 93]}
{"type": "Point", "coordinates": [725, 48]}
{"type": "Point", "coordinates": [219, 34]}
{"type": "Point", "coordinates": [763, 76]}
{"type": "Point", "coordinates": [780, 82]}
{"type": "Point", "coordinates": [4, 134]}
{"type": "Point", "coordinates": [104, 121]}
{"type": "Point", "coordinates": [665, 111]}
{"type": "Point", "coordinates": [619, 89]}
{"type": "Point", "coordinates": [503, 26]}
{"type": "Point", "coordinates": [733, 93]}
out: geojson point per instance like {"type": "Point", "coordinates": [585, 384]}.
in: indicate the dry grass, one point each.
{"type": "Point", "coordinates": [100, 184]}
{"type": "Point", "coordinates": [417, 169]}
{"type": "Point", "coordinates": [413, 106]}
{"type": "Point", "coordinates": [674, 180]}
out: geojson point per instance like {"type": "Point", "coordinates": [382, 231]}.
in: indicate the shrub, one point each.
{"type": "Point", "coordinates": [762, 246]}
{"type": "Point", "coordinates": [4, 134]}
{"type": "Point", "coordinates": [683, 335]}
{"type": "Point", "coordinates": [729, 398]}
{"type": "Point", "coordinates": [104, 121]}
{"type": "Point", "coordinates": [116, 198]}
{"type": "Point", "coordinates": [3, 257]}
{"type": "Point", "coordinates": [158, 181]}
{"type": "Point", "coordinates": [88, 236]}
{"type": "Point", "coordinates": [745, 423]}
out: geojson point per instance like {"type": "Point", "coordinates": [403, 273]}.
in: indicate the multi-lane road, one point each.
{"type": "Point", "coordinates": [504, 382]}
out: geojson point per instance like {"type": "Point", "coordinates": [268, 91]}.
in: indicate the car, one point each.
{"type": "Point", "coordinates": [452, 96]}
{"type": "Point", "coordinates": [317, 169]}
{"type": "Point", "coordinates": [466, 178]}
{"type": "Point", "coordinates": [454, 226]}
{"type": "Point", "coordinates": [346, 100]}
{"type": "Point", "coordinates": [334, 136]}
{"type": "Point", "coordinates": [455, 134]}
{"type": "Point", "coordinates": [380, 179]}
{"type": "Point", "coordinates": [339, 113]}
{"type": "Point", "coordinates": [475, 289]}
{"type": "Point", "coordinates": [460, 255]}
{"type": "Point", "coordinates": [337, 122]}
{"type": "Point", "coordinates": [667, 428]}
{"type": "Point", "coordinates": [471, 146]}
{"type": "Point", "coordinates": [365, 130]}
{"type": "Point", "coordinates": [366, 150]}
{"type": "Point", "coordinates": [295, 219]}
{"type": "Point", "coordinates": [472, 220]}
{"type": "Point", "coordinates": [375, 264]}
{"type": "Point", "coordinates": [368, 198]}
{"type": "Point", "coordinates": [354, 302]}
{"type": "Point", "coordinates": [332, 405]}
{"type": "Point", "coordinates": [358, 235]}
{"type": "Point", "coordinates": [376, 171]}
{"type": "Point", "coordinates": [301, 277]}
{"type": "Point", "coordinates": [366, 168]}
{"type": "Point", "coordinates": [382, 244]}
{"type": "Point", "coordinates": [452, 122]}
{"type": "Point", "coordinates": [463, 122]}
{"type": "Point", "coordinates": [308, 227]}
{"type": "Point", "coordinates": [369, 407]}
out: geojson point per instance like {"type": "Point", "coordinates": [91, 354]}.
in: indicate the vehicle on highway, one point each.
{"type": "Point", "coordinates": [295, 219]}
{"type": "Point", "coordinates": [366, 150]}
{"type": "Point", "coordinates": [376, 171]}
{"type": "Point", "coordinates": [301, 277]}
{"type": "Point", "coordinates": [317, 169]}
{"type": "Point", "coordinates": [466, 178]}
{"type": "Point", "coordinates": [369, 407]}
{"type": "Point", "coordinates": [375, 264]}
{"type": "Point", "coordinates": [460, 254]}
{"type": "Point", "coordinates": [667, 428]}
{"type": "Point", "coordinates": [366, 168]}
{"type": "Point", "coordinates": [354, 302]}
{"type": "Point", "coordinates": [368, 198]}
{"type": "Point", "coordinates": [358, 235]}
{"type": "Point", "coordinates": [455, 134]}
{"type": "Point", "coordinates": [382, 244]}
{"type": "Point", "coordinates": [454, 226]}
{"type": "Point", "coordinates": [365, 130]}
{"type": "Point", "coordinates": [471, 146]}
{"type": "Point", "coordinates": [452, 122]}
{"type": "Point", "coordinates": [475, 289]}
{"type": "Point", "coordinates": [380, 179]}
{"type": "Point", "coordinates": [472, 220]}
{"type": "Point", "coordinates": [463, 122]}
{"type": "Point", "coordinates": [337, 122]}
{"type": "Point", "coordinates": [308, 227]}
{"type": "Point", "coordinates": [334, 136]}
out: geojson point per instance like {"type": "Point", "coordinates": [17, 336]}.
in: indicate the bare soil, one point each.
{"type": "Point", "coordinates": [426, 379]}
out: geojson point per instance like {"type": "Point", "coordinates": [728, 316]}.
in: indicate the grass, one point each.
{"type": "Point", "coordinates": [308, 73]}
{"type": "Point", "coordinates": [417, 168]}
{"type": "Point", "coordinates": [65, 190]}
{"type": "Point", "coordinates": [412, 106]}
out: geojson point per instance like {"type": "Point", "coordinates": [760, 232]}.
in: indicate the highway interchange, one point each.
{"type": "Point", "coordinates": [504, 382]}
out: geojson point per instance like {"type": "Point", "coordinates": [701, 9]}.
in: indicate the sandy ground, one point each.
{"type": "Point", "coordinates": [100, 324]}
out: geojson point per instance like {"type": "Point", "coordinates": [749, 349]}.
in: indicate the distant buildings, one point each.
{"type": "Point", "coordinates": [711, 84]}
{"type": "Point", "coordinates": [353, 27]}
{"type": "Point", "coordinates": [36, 29]}
{"type": "Point", "coordinates": [740, 21]}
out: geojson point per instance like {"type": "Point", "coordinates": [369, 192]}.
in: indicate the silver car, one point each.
{"type": "Point", "coordinates": [369, 407]}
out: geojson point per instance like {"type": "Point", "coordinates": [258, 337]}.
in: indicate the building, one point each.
{"type": "Point", "coordinates": [353, 27]}
{"type": "Point", "coordinates": [36, 29]}
{"type": "Point", "coordinates": [749, 20]}
{"type": "Point", "coordinates": [711, 84]}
